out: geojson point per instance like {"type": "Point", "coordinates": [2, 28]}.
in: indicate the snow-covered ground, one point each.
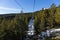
{"type": "Point", "coordinates": [31, 27]}
{"type": "Point", "coordinates": [55, 30]}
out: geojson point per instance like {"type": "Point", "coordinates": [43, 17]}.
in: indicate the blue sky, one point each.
{"type": "Point", "coordinates": [10, 6]}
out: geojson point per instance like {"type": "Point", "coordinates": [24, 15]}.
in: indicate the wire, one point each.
{"type": "Point", "coordinates": [22, 7]}
{"type": "Point", "coordinates": [34, 5]}
{"type": "Point", "coordinates": [19, 4]}
{"type": "Point", "coordinates": [33, 9]}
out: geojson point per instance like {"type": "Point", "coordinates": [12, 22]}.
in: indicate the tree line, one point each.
{"type": "Point", "coordinates": [14, 27]}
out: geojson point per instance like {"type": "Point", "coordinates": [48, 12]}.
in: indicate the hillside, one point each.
{"type": "Point", "coordinates": [14, 26]}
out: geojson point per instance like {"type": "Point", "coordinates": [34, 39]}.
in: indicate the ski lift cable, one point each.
{"type": "Point", "coordinates": [34, 5]}
{"type": "Point", "coordinates": [19, 4]}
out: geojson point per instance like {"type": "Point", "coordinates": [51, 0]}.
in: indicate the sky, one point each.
{"type": "Point", "coordinates": [10, 6]}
